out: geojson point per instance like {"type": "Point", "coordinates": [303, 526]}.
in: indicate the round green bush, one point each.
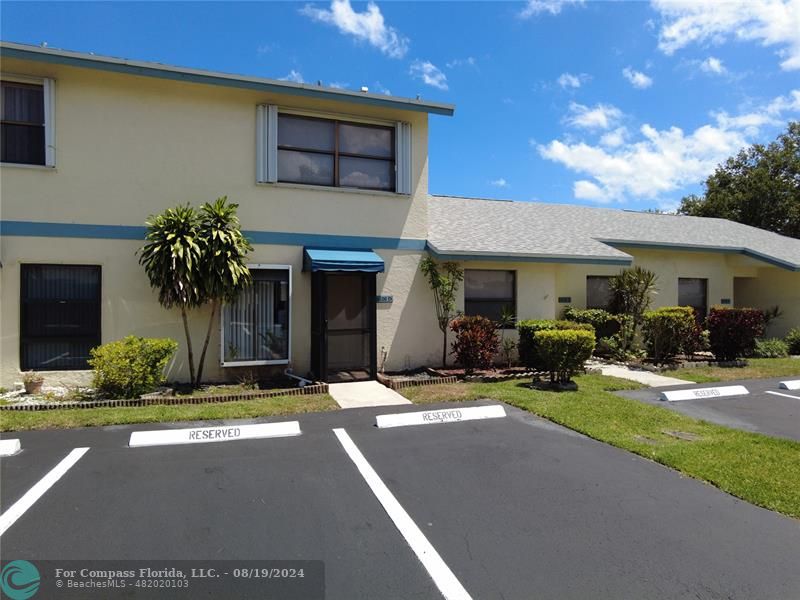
{"type": "Point", "coordinates": [792, 340]}
{"type": "Point", "coordinates": [130, 367]}
{"type": "Point", "coordinates": [562, 352]}
{"type": "Point", "coordinates": [771, 348]}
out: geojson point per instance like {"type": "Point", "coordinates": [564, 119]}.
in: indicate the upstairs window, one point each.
{"type": "Point", "coordinates": [26, 123]}
{"type": "Point", "coordinates": [598, 291]}
{"type": "Point", "coordinates": [23, 123]}
{"type": "Point", "coordinates": [487, 293]}
{"type": "Point", "coordinates": [335, 153]}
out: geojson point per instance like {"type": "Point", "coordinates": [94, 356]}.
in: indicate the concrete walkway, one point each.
{"type": "Point", "coordinates": [644, 377]}
{"type": "Point", "coordinates": [361, 394]}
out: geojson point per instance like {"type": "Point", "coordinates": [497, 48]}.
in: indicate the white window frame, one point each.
{"type": "Point", "coordinates": [256, 363]}
{"type": "Point", "coordinates": [49, 86]}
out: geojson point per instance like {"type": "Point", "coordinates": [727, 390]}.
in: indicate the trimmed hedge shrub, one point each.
{"type": "Point", "coordinates": [563, 352]}
{"type": "Point", "coordinates": [527, 330]}
{"type": "Point", "coordinates": [733, 331]}
{"type": "Point", "coordinates": [130, 367]}
{"type": "Point", "coordinates": [771, 348]}
{"type": "Point", "coordinates": [667, 331]}
{"type": "Point", "coordinates": [792, 340]}
{"type": "Point", "coordinates": [605, 324]}
{"type": "Point", "coordinates": [476, 342]}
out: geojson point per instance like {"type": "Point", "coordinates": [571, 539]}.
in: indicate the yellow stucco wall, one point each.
{"type": "Point", "coordinates": [771, 287]}
{"type": "Point", "coordinates": [127, 147]}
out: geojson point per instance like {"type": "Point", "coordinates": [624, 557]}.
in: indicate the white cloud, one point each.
{"type": "Point", "coordinates": [637, 79]}
{"type": "Point", "coordinates": [501, 183]}
{"type": "Point", "coordinates": [537, 7]}
{"type": "Point", "coordinates": [294, 76]}
{"type": "Point", "coordinates": [379, 88]}
{"type": "Point", "coordinates": [713, 65]}
{"type": "Point", "coordinates": [601, 116]}
{"type": "Point", "coordinates": [770, 22]}
{"type": "Point", "coordinates": [615, 138]}
{"type": "Point", "coordinates": [461, 62]}
{"type": "Point", "coordinates": [568, 80]}
{"type": "Point", "coordinates": [366, 26]}
{"type": "Point", "coordinates": [429, 73]}
{"type": "Point", "coordinates": [586, 190]}
{"type": "Point", "coordinates": [338, 85]}
{"type": "Point", "coordinates": [662, 161]}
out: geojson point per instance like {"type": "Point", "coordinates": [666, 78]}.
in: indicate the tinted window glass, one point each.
{"type": "Point", "coordinates": [305, 167]}
{"type": "Point", "coordinates": [488, 292]}
{"type": "Point", "coordinates": [308, 134]}
{"type": "Point", "coordinates": [371, 141]}
{"type": "Point", "coordinates": [22, 124]}
{"type": "Point", "coordinates": [598, 292]}
{"type": "Point", "coordinates": [60, 316]}
{"type": "Point", "coordinates": [693, 292]}
{"type": "Point", "coordinates": [366, 173]}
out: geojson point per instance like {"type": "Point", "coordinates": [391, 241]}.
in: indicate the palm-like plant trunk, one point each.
{"type": "Point", "coordinates": [444, 347]}
{"type": "Point", "coordinates": [205, 344]}
{"type": "Point", "coordinates": [188, 343]}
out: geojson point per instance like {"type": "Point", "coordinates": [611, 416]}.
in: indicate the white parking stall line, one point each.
{"type": "Point", "coordinates": [16, 510]}
{"type": "Point", "coordinates": [445, 580]}
{"type": "Point", "coordinates": [448, 415]}
{"type": "Point", "coordinates": [9, 447]}
{"type": "Point", "coordinates": [205, 435]}
{"type": "Point", "coordinates": [789, 385]}
{"type": "Point", "coordinates": [704, 393]}
{"type": "Point", "coordinates": [784, 395]}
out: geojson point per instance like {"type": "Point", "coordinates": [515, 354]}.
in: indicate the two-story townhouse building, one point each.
{"type": "Point", "coordinates": [332, 187]}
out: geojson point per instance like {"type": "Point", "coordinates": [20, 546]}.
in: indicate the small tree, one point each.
{"type": "Point", "coordinates": [631, 292]}
{"type": "Point", "coordinates": [223, 266]}
{"type": "Point", "coordinates": [443, 280]}
{"type": "Point", "coordinates": [193, 258]}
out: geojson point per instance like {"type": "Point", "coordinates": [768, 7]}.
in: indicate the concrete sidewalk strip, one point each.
{"type": "Point", "coordinates": [447, 415]}
{"type": "Point", "coordinates": [16, 510]}
{"type": "Point", "coordinates": [704, 393]}
{"type": "Point", "coordinates": [205, 435]}
{"type": "Point", "coordinates": [9, 447]}
{"type": "Point", "coordinates": [644, 377]}
{"type": "Point", "coordinates": [362, 394]}
{"type": "Point", "coordinates": [789, 385]}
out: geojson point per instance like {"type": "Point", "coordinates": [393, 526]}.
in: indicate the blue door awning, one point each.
{"type": "Point", "coordinates": [349, 261]}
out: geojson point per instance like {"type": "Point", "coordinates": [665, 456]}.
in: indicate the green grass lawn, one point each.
{"type": "Point", "coordinates": [757, 468]}
{"type": "Point", "coordinates": [757, 368]}
{"type": "Point", "coordinates": [158, 413]}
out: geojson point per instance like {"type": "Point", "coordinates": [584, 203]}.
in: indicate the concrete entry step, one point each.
{"type": "Point", "coordinates": [361, 394]}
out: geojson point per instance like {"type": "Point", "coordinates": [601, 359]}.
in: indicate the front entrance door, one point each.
{"type": "Point", "coordinates": [343, 326]}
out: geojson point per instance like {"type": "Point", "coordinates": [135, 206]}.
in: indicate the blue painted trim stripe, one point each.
{"type": "Point", "coordinates": [276, 238]}
{"type": "Point", "coordinates": [210, 78]}
{"type": "Point", "coordinates": [575, 260]}
{"type": "Point", "coordinates": [777, 262]}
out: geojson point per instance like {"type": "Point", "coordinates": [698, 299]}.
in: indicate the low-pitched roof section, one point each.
{"type": "Point", "coordinates": [472, 228]}
{"type": "Point", "coordinates": [162, 71]}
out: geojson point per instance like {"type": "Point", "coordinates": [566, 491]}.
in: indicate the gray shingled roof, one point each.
{"type": "Point", "coordinates": [559, 232]}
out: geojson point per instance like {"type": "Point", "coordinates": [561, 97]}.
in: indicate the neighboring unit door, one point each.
{"type": "Point", "coordinates": [343, 326]}
{"type": "Point", "coordinates": [694, 292]}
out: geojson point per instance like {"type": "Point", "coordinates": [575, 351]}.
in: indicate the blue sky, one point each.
{"type": "Point", "coordinates": [627, 104]}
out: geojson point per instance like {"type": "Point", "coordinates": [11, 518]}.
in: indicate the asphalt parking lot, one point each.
{"type": "Point", "coordinates": [766, 409]}
{"type": "Point", "coordinates": [512, 507]}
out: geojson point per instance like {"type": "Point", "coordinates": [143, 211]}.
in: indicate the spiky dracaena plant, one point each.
{"type": "Point", "coordinates": [631, 294]}
{"type": "Point", "coordinates": [194, 258]}
{"type": "Point", "coordinates": [171, 258]}
{"type": "Point", "coordinates": [444, 284]}
{"type": "Point", "coordinates": [224, 266]}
